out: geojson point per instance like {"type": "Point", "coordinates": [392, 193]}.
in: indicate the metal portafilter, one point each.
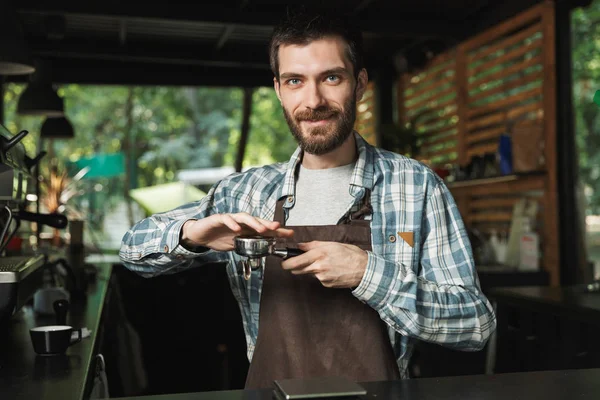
{"type": "Point", "coordinates": [255, 247]}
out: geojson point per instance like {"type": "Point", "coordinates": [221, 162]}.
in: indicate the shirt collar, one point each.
{"type": "Point", "coordinates": [362, 176]}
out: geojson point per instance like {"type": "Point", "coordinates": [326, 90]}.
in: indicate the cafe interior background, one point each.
{"type": "Point", "coordinates": [131, 110]}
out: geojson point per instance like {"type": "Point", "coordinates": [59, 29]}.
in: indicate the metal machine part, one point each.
{"type": "Point", "coordinates": [20, 277]}
{"type": "Point", "coordinates": [256, 247]}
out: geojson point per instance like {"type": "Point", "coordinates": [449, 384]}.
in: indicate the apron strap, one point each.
{"type": "Point", "coordinates": [365, 208]}
{"type": "Point", "coordinates": [358, 217]}
{"type": "Point", "coordinates": [279, 212]}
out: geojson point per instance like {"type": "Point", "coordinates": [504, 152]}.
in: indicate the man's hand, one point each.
{"type": "Point", "coordinates": [218, 230]}
{"type": "Point", "coordinates": [335, 265]}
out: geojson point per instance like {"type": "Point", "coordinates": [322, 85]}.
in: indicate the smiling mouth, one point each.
{"type": "Point", "coordinates": [317, 121]}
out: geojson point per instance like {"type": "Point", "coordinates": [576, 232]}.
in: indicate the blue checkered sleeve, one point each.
{"type": "Point", "coordinates": [151, 247]}
{"type": "Point", "coordinates": [441, 300]}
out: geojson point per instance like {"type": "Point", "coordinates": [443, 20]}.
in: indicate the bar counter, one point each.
{"type": "Point", "coordinates": [26, 375]}
{"type": "Point", "coordinates": [547, 385]}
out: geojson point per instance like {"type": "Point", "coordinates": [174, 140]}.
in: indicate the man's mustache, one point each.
{"type": "Point", "coordinates": [318, 114]}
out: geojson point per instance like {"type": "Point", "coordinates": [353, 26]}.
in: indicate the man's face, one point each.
{"type": "Point", "coordinates": [318, 93]}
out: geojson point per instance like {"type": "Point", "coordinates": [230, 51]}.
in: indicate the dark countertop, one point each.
{"type": "Point", "coordinates": [573, 301]}
{"type": "Point", "coordinates": [25, 375]}
{"type": "Point", "coordinates": [547, 385]}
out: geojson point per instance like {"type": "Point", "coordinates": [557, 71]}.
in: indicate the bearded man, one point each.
{"type": "Point", "coordinates": [385, 258]}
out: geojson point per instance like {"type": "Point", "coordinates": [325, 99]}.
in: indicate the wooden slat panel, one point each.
{"type": "Point", "coordinates": [502, 44]}
{"type": "Point", "coordinates": [441, 152]}
{"type": "Point", "coordinates": [511, 55]}
{"type": "Point", "coordinates": [496, 202]}
{"type": "Point", "coordinates": [505, 116]}
{"type": "Point", "coordinates": [481, 149]}
{"type": "Point", "coordinates": [493, 119]}
{"type": "Point", "coordinates": [430, 103]}
{"type": "Point", "coordinates": [365, 123]}
{"type": "Point", "coordinates": [508, 85]}
{"type": "Point", "coordinates": [488, 108]}
{"type": "Point", "coordinates": [493, 203]}
{"type": "Point", "coordinates": [431, 71]}
{"type": "Point", "coordinates": [448, 115]}
{"type": "Point", "coordinates": [527, 17]}
{"type": "Point", "coordinates": [524, 184]}
{"type": "Point", "coordinates": [437, 110]}
{"type": "Point", "coordinates": [431, 107]}
{"type": "Point", "coordinates": [487, 134]}
{"type": "Point", "coordinates": [491, 217]}
{"type": "Point", "coordinates": [433, 98]}
{"type": "Point", "coordinates": [438, 131]}
{"type": "Point", "coordinates": [439, 140]}
{"type": "Point", "coordinates": [474, 83]}
{"type": "Point", "coordinates": [504, 74]}
{"type": "Point", "coordinates": [428, 85]}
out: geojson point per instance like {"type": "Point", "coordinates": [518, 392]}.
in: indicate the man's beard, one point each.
{"type": "Point", "coordinates": [323, 139]}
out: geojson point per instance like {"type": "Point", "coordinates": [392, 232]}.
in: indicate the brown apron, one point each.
{"type": "Point", "coordinates": [307, 330]}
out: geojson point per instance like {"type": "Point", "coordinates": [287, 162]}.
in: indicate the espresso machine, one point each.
{"type": "Point", "coordinates": [20, 275]}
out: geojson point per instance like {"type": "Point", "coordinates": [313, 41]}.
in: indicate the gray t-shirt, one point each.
{"type": "Point", "coordinates": [322, 196]}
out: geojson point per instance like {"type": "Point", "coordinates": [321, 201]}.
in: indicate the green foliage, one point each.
{"type": "Point", "coordinates": [586, 80]}
{"type": "Point", "coordinates": [159, 129]}
{"type": "Point", "coordinates": [269, 139]}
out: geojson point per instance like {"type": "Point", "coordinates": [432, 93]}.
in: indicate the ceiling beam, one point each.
{"type": "Point", "coordinates": [228, 29]}
{"type": "Point", "coordinates": [109, 72]}
{"type": "Point", "coordinates": [192, 11]}
{"type": "Point", "coordinates": [245, 56]}
{"type": "Point", "coordinates": [379, 22]}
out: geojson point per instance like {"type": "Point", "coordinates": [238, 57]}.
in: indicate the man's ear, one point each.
{"type": "Point", "coordinates": [361, 84]}
{"type": "Point", "coordinates": [276, 87]}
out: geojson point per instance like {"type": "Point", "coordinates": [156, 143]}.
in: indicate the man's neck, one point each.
{"type": "Point", "coordinates": [343, 155]}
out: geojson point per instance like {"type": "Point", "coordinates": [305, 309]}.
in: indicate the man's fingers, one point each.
{"type": "Point", "coordinates": [304, 271]}
{"type": "Point", "coordinates": [230, 223]}
{"type": "Point", "coordinates": [306, 246]}
{"type": "Point", "coordinates": [283, 232]}
{"type": "Point", "coordinates": [298, 262]}
{"type": "Point", "coordinates": [250, 222]}
{"type": "Point", "coordinates": [272, 225]}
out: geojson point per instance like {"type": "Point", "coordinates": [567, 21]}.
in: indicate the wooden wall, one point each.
{"type": "Point", "coordinates": [500, 81]}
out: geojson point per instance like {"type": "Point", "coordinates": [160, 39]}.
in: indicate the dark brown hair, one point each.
{"type": "Point", "coordinates": [301, 26]}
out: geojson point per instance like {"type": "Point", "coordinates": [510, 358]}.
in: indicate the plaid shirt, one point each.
{"type": "Point", "coordinates": [427, 290]}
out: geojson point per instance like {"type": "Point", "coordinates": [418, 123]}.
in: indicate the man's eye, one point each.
{"type": "Point", "coordinates": [333, 78]}
{"type": "Point", "coordinates": [293, 81]}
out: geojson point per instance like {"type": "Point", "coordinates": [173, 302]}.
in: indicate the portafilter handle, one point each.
{"type": "Point", "coordinates": [250, 264]}
{"type": "Point", "coordinates": [287, 252]}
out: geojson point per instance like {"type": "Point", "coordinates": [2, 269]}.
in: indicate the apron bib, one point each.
{"type": "Point", "coordinates": [307, 330]}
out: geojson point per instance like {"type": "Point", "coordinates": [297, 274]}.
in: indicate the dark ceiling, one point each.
{"type": "Point", "coordinates": [225, 42]}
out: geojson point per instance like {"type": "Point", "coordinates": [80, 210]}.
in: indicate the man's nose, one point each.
{"type": "Point", "coordinates": [314, 98]}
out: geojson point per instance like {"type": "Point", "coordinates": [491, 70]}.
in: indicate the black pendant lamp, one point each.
{"type": "Point", "coordinates": [40, 98]}
{"type": "Point", "coordinates": [14, 53]}
{"type": "Point", "coordinates": [57, 128]}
